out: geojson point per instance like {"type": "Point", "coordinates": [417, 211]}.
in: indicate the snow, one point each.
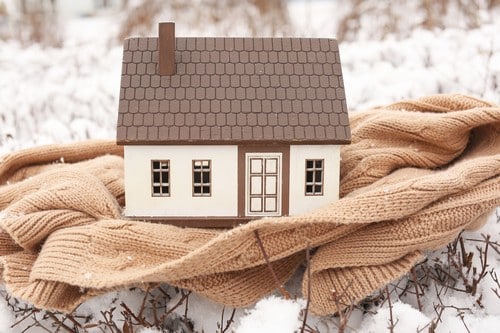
{"type": "Point", "coordinates": [54, 95]}
{"type": "Point", "coordinates": [150, 330]}
{"type": "Point", "coordinates": [427, 63]}
{"type": "Point", "coordinates": [60, 96]}
{"type": "Point", "coordinates": [272, 314]}
{"type": "Point", "coordinates": [407, 319]}
{"type": "Point", "coordinates": [6, 316]}
{"type": "Point", "coordinates": [201, 308]}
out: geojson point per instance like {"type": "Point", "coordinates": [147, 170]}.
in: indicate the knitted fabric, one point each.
{"type": "Point", "coordinates": [416, 174]}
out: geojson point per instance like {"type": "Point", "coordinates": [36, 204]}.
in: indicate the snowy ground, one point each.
{"type": "Point", "coordinates": [52, 95]}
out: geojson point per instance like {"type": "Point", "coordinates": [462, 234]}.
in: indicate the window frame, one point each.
{"type": "Point", "coordinates": [161, 183]}
{"type": "Point", "coordinates": [314, 181]}
{"type": "Point", "coordinates": [202, 184]}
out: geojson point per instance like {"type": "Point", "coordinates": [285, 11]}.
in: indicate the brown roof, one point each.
{"type": "Point", "coordinates": [233, 90]}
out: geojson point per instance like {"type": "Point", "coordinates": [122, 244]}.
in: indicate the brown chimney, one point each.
{"type": "Point", "coordinates": [166, 48]}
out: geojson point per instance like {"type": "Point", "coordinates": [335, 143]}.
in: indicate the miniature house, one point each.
{"type": "Point", "coordinates": [219, 131]}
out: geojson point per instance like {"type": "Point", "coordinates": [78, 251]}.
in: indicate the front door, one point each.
{"type": "Point", "coordinates": [263, 184]}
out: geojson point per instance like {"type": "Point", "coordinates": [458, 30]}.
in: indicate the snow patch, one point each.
{"type": "Point", "coordinates": [272, 314]}
{"type": "Point", "coordinates": [405, 317]}
{"type": "Point", "coordinates": [6, 317]}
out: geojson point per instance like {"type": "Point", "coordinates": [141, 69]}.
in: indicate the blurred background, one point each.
{"type": "Point", "coordinates": [60, 60]}
{"type": "Point", "coordinates": [44, 21]}
{"type": "Point", "coordinates": [60, 67]}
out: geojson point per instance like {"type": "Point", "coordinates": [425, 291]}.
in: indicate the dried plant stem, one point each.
{"type": "Point", "coordinates": [58, 322]}
{"type": "Point", "coordinates": [417, 292]}
{"type": "Point", "coordinates": [143, 304]}
{"type": "Point", "coordinates": [349, 306]}
{"type": "Point", "coordinates": [138, 318]}
{"type": "Point", "coordinates": [392, 324]}
{"type": "Point", "coordinates": [228, 322]}
{"type": "Point", "coordinates": [282, 290]}
{"type": "Point", "coordinates": [308, 268]}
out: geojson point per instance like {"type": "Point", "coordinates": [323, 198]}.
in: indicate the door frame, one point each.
{"type": "Point", "coordinates": [285, 175]}
{"type": "Point", "coordinates": [264, 157]}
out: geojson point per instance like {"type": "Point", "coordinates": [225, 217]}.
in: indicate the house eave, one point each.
{"type": "Point", "coordinates": [229, 142]}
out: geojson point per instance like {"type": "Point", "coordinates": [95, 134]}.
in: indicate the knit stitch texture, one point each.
{"type": "Point", "coordinates": [417, 173]}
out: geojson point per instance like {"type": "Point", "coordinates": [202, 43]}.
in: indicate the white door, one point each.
{"type": "Point", "coordinates": [263, 184]}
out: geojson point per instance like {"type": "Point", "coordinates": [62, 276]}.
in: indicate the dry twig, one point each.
{"type": "Point", "coordinates": [282, 290]}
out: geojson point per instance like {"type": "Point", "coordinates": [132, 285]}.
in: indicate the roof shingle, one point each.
{"type": "Point", "coordinates": [233, 90]}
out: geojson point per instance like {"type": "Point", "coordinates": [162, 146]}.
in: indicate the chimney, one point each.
{"type": "Point", "coordinates": [166, 48]}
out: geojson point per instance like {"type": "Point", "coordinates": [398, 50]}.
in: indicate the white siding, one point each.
{"type": "Point", "coordinates": [299, 202]}
{"type": "Point", "coordinates": [222, 202]}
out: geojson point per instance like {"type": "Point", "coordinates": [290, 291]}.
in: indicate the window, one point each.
{"type": "Point", "coordinates": [314, 177]}
{"type": "Point", "coordinates": [202, 178]}
{"type": "Point", "coordinates": [160, 178]}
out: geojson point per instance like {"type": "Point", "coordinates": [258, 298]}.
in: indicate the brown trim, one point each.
{"type": "Point", "coordinates": [241, 181]}
{"type": "Point", "coordinates": [285, 174]}
{"type": "Point", "coordinates": [285, 199]}
{"type": "Point", "coordinates": [231, 142]}
{"type": "Point", "coordinates": [197, 222]}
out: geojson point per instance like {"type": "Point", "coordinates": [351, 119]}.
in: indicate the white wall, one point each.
{"type": "Point", "coordinates": [222, 202]}
{"type": "Point", "coordinates": [299, 202]}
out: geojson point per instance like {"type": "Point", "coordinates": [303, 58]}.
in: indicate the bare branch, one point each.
{"type": "Point", "coordinates": [282, 290]}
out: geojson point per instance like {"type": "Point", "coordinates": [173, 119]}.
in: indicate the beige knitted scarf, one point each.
{"type": "Point", "coordinates": [416, 174]}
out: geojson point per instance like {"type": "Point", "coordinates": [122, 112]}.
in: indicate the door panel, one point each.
{"type": "Point", "coordinates": [256, 165]}
{"type": "Point", "coordinates": [271, 185]}
{"type": "Point", "coordinates": [256, 185]}
{"type": "Point", "coordinates": [270, 204]}
{"type": "Point", "coordinates": [256, 205]}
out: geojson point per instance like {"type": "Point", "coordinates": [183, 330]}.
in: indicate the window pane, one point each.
{"type": "Point", "coordinates": [156, 177]}
{"type": "Point", "coordinates": [317, 189]}
{"type": "Point", "coordinates": [309, 164]}
{"type": "Point", "coordinates": [164, 189]}
{"type": "Point", "coordinates": [156, 190]}
{"type": "Point", "coordinates": [309, 189]}
{"type": "Point", "coordinates": [164, 177]}
{"type": "Point", "coordinates": [206, 177]}
{"type": "Point", "coordinates": [319, 164]}
{"type": "Point", "coordinates": [197, 189]}
{"type": "Point", "coordinates": [156, 164]}
{"type": "Point", "coordinates": [206, 189]}
{"type": "Point", "coordinates": [309, 176]}
{"type": "Point", "coordinates": [318, 176]}
{"type": "Point", "coordinates": [197, 177]}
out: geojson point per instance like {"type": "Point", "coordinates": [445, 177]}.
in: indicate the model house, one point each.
{"type": "Point", "coordinates": [219, 131]}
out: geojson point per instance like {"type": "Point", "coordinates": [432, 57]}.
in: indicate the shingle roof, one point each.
{"type": "Point", "coordinates": [233, 90]}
